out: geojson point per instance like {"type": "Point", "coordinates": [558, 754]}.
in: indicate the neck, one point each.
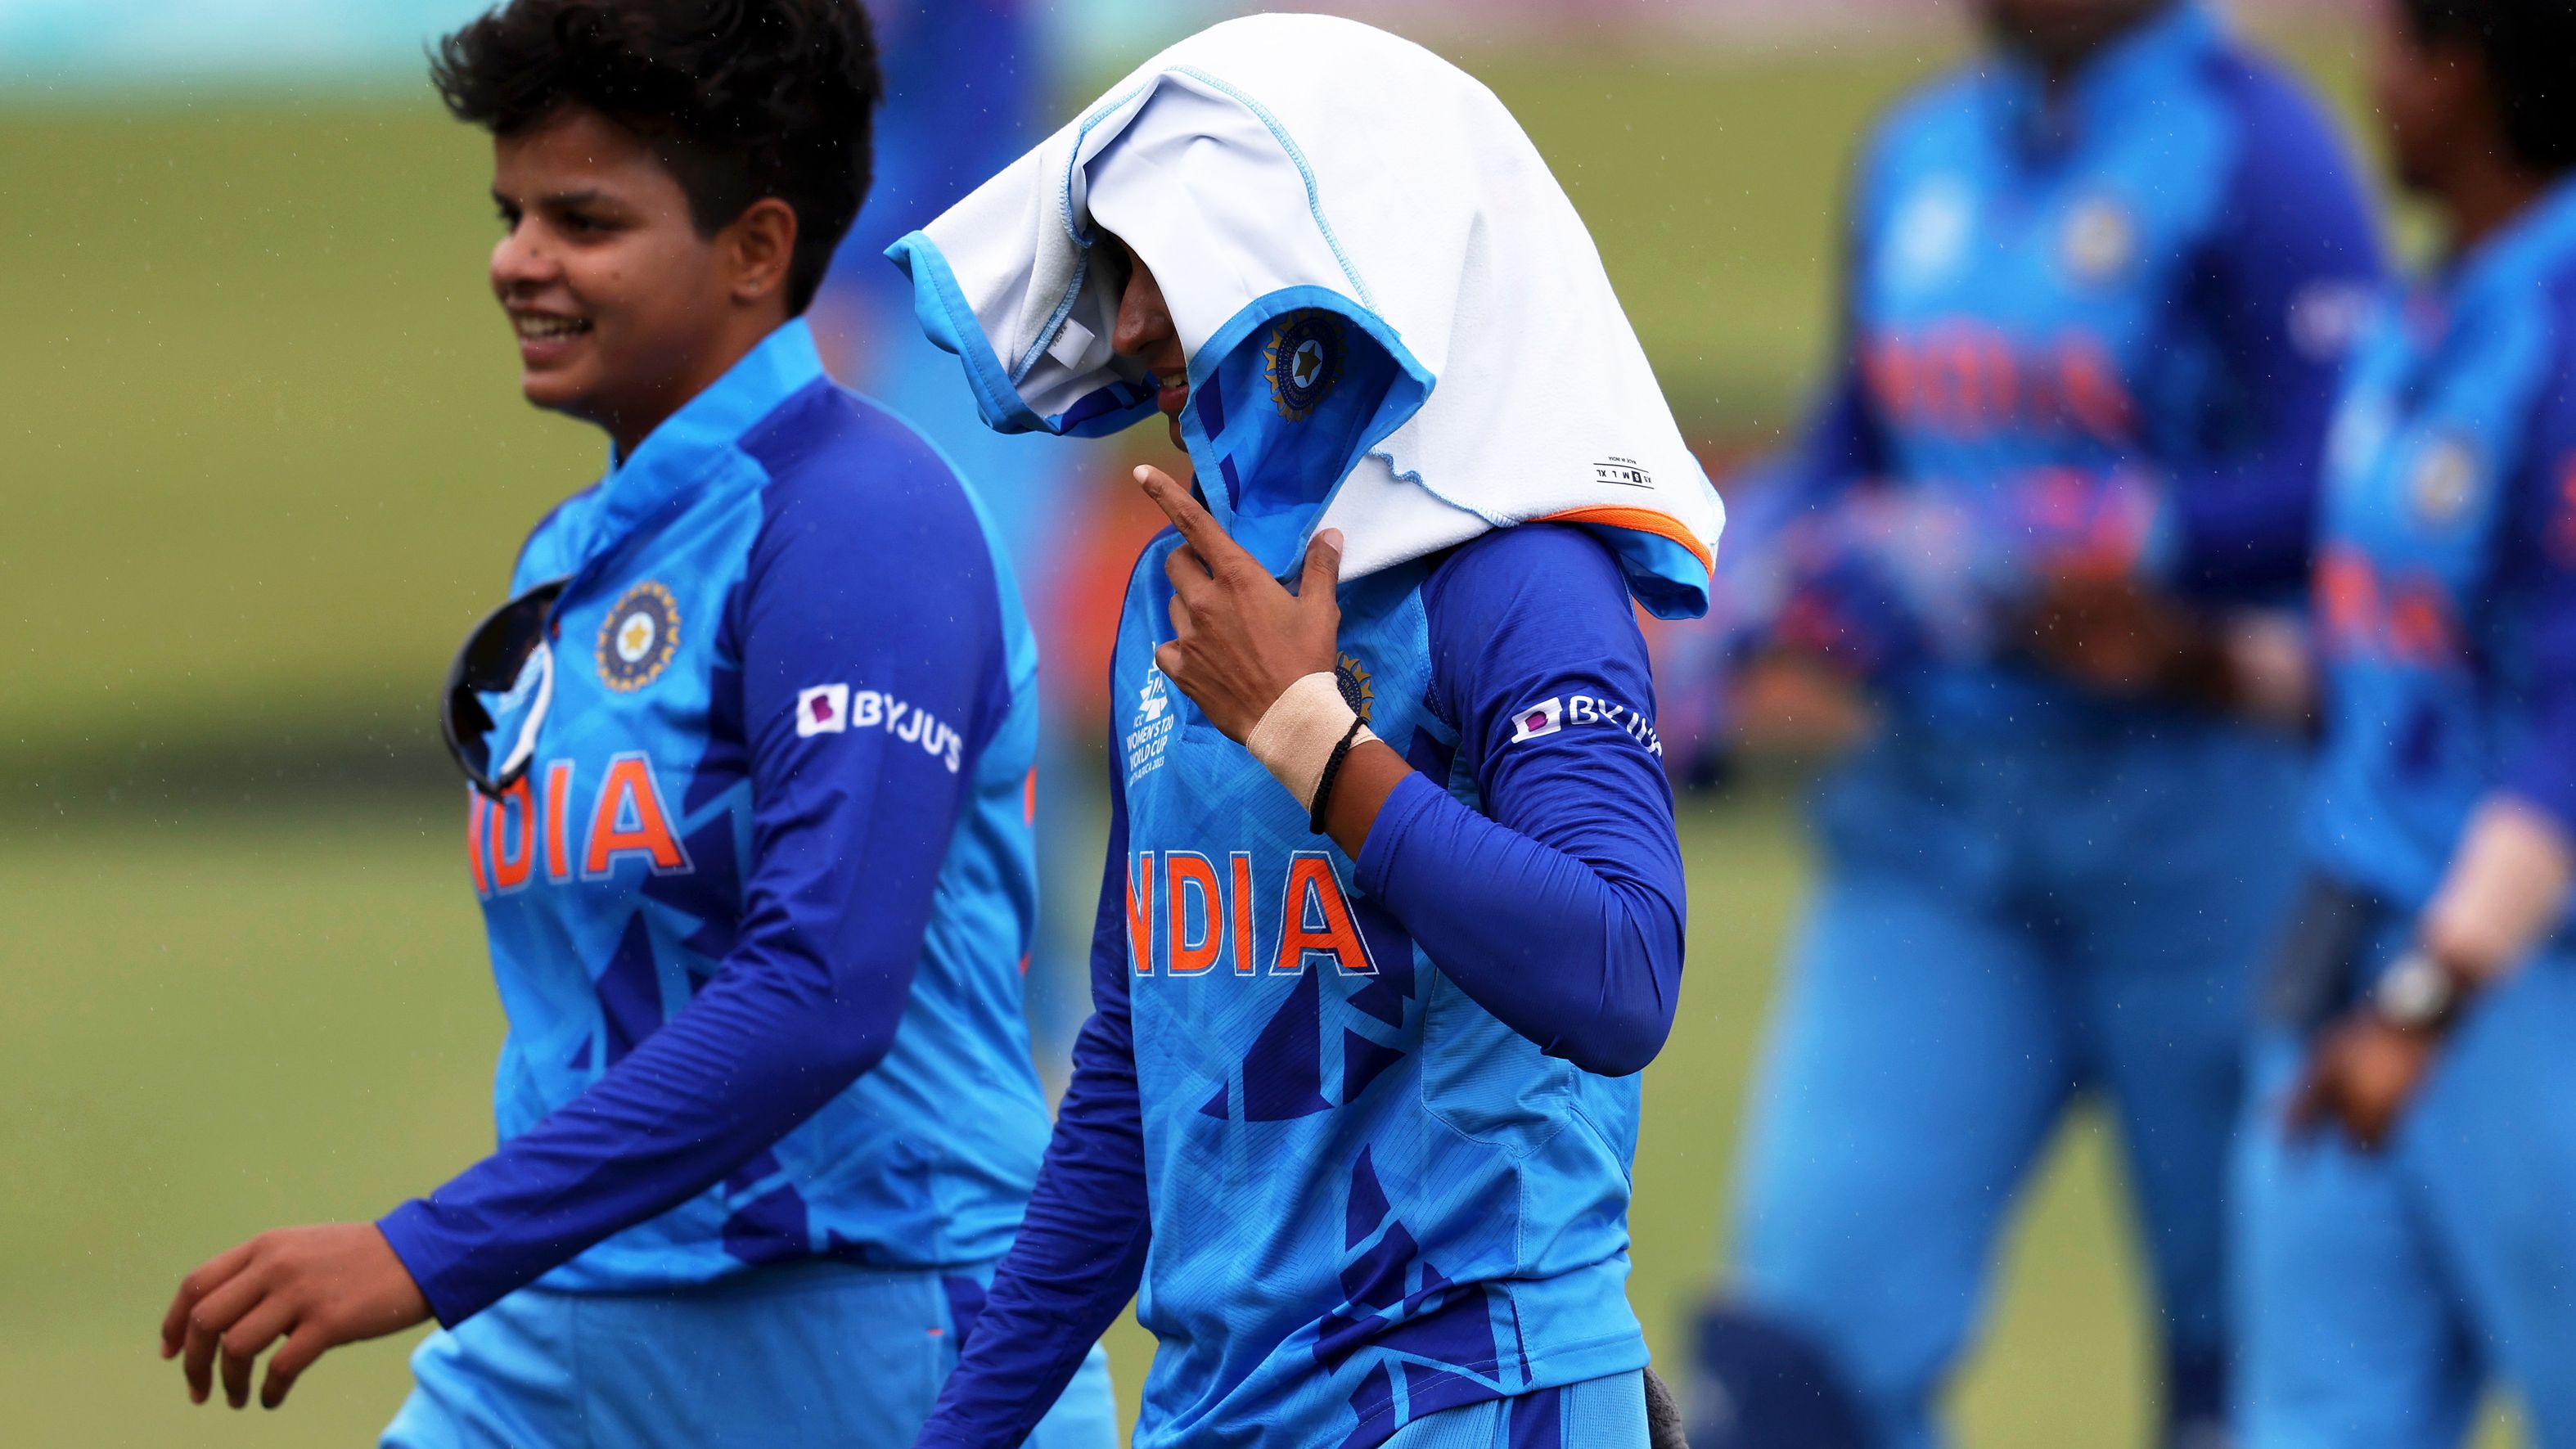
{"type": "Point", "coordinates": [2481, 198]}
{"type": "Point", "coordinates": [2063, 56]}
{"type": "Point", "coordinates": [629, 426]}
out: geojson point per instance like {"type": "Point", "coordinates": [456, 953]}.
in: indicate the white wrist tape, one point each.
{"type": "Point", "coordinates": [1295, 737]}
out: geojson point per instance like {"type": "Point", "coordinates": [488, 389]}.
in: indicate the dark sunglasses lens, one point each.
{"type": "Point", "coordinates": [499, 688]}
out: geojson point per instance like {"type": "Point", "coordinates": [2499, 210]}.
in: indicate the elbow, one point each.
{"type": "Point", "coordinates": [1622, 1043]}
{"type": "Point", "coordinates": [1641, 986]}
{"type": "Point", "coordinates": [834, 1046]}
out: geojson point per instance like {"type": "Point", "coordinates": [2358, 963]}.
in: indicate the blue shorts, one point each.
{"type": "Point", "coordinates": [1602, 1413]}
{"type": "Point", "coordinates": [2380, 1295]}
{"type": "Point", "coordinates": [813, 1353]}
{"type": "Point", "coordinates": [2001, 930]}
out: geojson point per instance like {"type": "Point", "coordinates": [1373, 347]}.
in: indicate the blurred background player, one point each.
{"type": "Point", "coordinates": [750, 748]}
{"type": "Point", "coordinates": [2095, 294]}
{"type": "Point", "coordinates": [2408, 1186]}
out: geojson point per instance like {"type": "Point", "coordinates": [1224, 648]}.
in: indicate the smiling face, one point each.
{"type": "Point", "coordinates": [624, 310]}
{"type": "Point", "coordinates": [1145, 333]}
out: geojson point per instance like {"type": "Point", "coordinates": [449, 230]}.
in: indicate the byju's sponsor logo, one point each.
{"type": "Point", "coordinates": [822, 710]}
{"type": "Point", "coordinates": [1558, 713]}
{"type": "Point", "coordinates": [1543, 718]}
{"type": "Point", "coordinates": [831, 709]}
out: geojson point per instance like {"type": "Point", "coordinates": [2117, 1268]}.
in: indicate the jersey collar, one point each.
{"type": "Point", "coordinates": [688, 451]}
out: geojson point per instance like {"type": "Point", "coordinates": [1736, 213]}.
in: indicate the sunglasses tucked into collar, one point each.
{"type": "Point", "coordinates": [496, 660]}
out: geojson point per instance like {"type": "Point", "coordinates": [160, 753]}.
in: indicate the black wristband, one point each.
{"type": "Point", "coordinates": [1332, 770]}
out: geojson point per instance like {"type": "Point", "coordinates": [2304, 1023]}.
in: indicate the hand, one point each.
{"type": "Point", "coordinates": [2361, 1074]}
{"type": "Point", "coordinates": [1239, 638]}
{"type": "Point", "coordinates": [2122, 638]}
{"type": "Point", "coordinates": [319, 1286]}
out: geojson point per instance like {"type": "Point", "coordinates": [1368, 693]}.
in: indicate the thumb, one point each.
{"type": "Point", "coordinates": [1323, 566]}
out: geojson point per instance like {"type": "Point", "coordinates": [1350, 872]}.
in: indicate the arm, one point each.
{"type": "Point", "coordinates": [2294, 260]}
{"type": "Point", "coordinates": [1561, 914]}
{"type": "Point", "coordinates": [2506, 889]}
{"type": "Point", "coordinates": [1561, 909]}
{"type": "Point", "coordinates": [1081, 1248]}
{"type": "Point", "coordinates": [849, 833]}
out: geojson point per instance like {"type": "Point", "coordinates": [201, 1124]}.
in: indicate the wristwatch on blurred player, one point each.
{"type": "Point", "coordinates": [2421, 992]}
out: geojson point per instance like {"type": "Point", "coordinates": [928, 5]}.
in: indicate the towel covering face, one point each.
{"type": "Point", "coordinates": [1396, 323]}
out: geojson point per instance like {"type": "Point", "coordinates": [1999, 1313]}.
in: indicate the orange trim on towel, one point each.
{"type": "Point", "coordinates": [1643, 520]}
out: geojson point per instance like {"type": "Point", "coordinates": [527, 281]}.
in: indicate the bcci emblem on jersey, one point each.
{"type": "Point", "coordinates": [1304, 360]}
{"type": "Point", "coordinates": [1359, 688]}
{"type": "Point", "coordinates": [2099, 241]}
{"type": "Point", "coordinates": [638, 636]}
{"type": "Point", "coordinates": [2445, 481]}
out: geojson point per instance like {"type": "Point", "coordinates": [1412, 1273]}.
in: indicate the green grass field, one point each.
{"type": "Point", "coordinates": [264, 456]}
{"type": "Point", "coordinates": [222, 1026]}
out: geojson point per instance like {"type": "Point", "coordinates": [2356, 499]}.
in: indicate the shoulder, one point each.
{"type": "Point", "coordinates": [849, 480]}
{"type": "Point", "coordinates": [1941, 106]}
{"type": "Point", "coordinates": [1552, 573]}
{"type": "Point", "coordinates": [2284, 145]}
{"type": "Point", "coordinates": [1935, 124]}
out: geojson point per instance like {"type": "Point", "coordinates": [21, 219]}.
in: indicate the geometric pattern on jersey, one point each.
{"type": "Point", "coordinates": [1372, 1200]}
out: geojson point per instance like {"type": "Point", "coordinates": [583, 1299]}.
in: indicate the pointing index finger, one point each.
{"type": "Point", "coordinates": [1196, 524]}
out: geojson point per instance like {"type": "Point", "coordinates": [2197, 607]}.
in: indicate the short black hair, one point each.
{"type": "Point", "coordinates": [2530, 51]}
{"type": "Point", "coordinates": [744, 98]}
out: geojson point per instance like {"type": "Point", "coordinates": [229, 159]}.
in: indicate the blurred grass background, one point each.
{"type": "Point", "coordinates": [253, 1018]}
{"type": "Point", "coordinates": [265, 459]}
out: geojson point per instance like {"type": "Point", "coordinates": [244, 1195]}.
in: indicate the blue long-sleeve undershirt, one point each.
{"type": "Point", "coordinates": [849, 833]}
{"type": "Point", "coordinates": [2294, 259]}
{"type": "Point", "coordinates": [1560, 909]}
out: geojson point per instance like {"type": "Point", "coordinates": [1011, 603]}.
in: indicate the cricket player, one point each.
{"type": "Point", "coordinates": [2408, 1164]}
{"type": "Point", "coordinates": [2097, 291]}
{"type": "Point", "coordinates": [750, 749]}
{"type": "Point", "coordinates": [1392, 911]}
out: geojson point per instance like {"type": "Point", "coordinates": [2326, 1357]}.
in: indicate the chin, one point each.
{"type": "Point", "coordinates": [1172, 422]}
{"type": "Point", "coordinates": [555, 392]}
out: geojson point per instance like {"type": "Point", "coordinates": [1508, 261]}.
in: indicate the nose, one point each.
{"type": "Point", "coordinates": [522, 262]}
{"type": "Point", "coordinates": [1143, 321]}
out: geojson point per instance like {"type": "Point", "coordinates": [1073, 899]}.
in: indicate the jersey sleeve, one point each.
{"type": "Point", "coordinates": [2285, 275]}
{"type": "Point", "coordinates": [850, 830]}
{"type": "Point", "coordinates": [1081, 1248]}
{"type": "Point", "coordinates": [2542, 771]}
{"type": "Point", "coordinates": [1560, 909]}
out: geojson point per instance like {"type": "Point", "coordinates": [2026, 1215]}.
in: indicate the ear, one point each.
{"type": "Point", "coordinates": [759, 247]}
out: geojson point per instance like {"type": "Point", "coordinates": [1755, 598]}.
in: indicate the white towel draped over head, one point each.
{"type": "Point", "coordinates": [1396, 323]}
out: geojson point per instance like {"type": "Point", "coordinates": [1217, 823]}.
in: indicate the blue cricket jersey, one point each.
{"type": "Point", "coordinates": [2149, 272]}
{"type": "Point", "coordinates": [2446, 572]}
{"type": "Point", "coordinates": [759, 907]}
{"type": "Point", "coordinates": [1361, 1130]}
